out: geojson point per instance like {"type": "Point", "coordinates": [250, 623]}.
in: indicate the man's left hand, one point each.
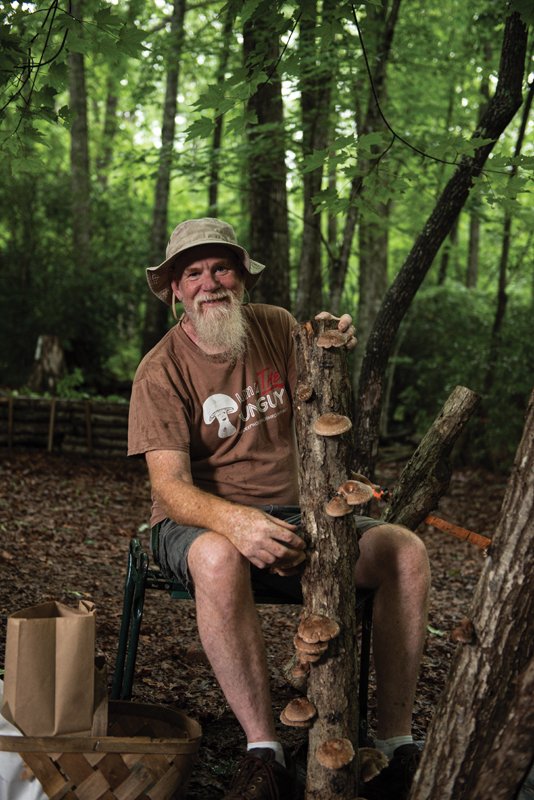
{"type": "Point", "coordinates": [344, 323]}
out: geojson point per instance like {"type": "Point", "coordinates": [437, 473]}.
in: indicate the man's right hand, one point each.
{"type": "Point", "coordinates": [268, 542]}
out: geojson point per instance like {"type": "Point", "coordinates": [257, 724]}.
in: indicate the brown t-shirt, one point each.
{"type": "Point", "coordinates": [234, 420]}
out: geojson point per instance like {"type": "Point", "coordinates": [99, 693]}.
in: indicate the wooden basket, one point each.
{"type": "Point", "coordinates": [148, 754]}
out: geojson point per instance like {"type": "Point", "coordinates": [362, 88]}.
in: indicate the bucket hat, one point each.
{"type": "Point", "coordinates": [192, 233]}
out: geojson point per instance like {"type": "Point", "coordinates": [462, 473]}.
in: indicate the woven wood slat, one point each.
{"type": "Point", "coordinates": [54, 784]}
{"type": "Point", "coordinates": [113, 767]}
{"type": "Point", "coordinates": [144, 762]}
{"type": "Point", "coordinates": [163, 788]}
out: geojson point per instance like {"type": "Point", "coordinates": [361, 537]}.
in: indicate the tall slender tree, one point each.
{"type": "Point", "coordinates": [156, 314]}
{"type": "Point", "coordinates": [79, 153]}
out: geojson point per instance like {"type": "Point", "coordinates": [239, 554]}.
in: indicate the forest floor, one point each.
{"type": "Point", "coordinates": [65, 523]}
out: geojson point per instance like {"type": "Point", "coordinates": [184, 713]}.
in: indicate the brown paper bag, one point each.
{"type": "Point", "coordinates": [49, 669]}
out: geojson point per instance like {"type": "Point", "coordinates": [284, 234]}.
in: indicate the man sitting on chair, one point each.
{"type": "Point", "coordinates": [211, 409]}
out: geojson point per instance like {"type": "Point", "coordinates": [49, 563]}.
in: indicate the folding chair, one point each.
{"type": "Point", "coordinates": [140, 575]}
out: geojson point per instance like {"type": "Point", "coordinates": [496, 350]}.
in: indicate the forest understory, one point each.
{"type": "Point", "coordinates": [65, 523]}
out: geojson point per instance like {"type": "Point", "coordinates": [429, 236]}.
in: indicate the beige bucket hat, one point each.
{"type": "Point", "coordinates": [192, 233]}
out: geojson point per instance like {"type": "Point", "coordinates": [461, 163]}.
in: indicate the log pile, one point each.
{"type": "Point", "coordinates": [64, 426]}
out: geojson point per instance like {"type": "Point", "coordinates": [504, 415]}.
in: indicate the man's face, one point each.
{"type": "Point", "coordinates": [210, 284]}
{"type": "Point", "coordinates": [207, 276]}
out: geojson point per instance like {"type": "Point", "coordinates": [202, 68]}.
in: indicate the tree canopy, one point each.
{"type": "Point", "coordinates": [325, 132]}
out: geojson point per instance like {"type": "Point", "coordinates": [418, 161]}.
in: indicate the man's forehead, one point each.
{"type": "Point", "coordinates": [195, 255]}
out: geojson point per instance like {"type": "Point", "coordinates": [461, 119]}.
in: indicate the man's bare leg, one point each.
{"type": "Point", "coordinates": [394, 562]}
{"type": "Point", "coordinates": [230, 632]}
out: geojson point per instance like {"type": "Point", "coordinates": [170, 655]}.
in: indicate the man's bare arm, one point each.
{"type": "Point", "coordinates": [264, 540]}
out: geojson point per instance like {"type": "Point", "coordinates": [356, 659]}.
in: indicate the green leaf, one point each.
{"type": "Point", "coordinates": [200, 129]}
{"type": "Point", "coordinates": [131, 41]}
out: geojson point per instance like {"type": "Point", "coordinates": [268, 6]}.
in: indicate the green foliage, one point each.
{"type": "Point", "coordinates": [445, 342]}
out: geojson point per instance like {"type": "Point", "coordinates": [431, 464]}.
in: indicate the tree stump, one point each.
{"type": "Point", "coordinates": [48, 366]}
{"type": "Point", "coordinates": [328, 582]}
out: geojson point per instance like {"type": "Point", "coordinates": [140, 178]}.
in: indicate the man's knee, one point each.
{"type": "Point", "coordinates": [213, 558]}
{"type": "Point", "coordinates": [393, 551]}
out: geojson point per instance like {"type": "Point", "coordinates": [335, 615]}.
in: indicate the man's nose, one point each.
{"type": "Point", "coordinates": [210, 282]}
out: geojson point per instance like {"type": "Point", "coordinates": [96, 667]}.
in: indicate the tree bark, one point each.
{"type": "Point", "coordinates": [502, 297]}
{"type": "Point", "coordinates": [317, 71]}
{"type": "Point", "coordinates": [382, 21]}
{"type": "Point", "coordinates": [487, 702]}
{"type": "Point", "coordinates": [328, 582]}
{"type": "Point", "coordinates": [214, 165]}
{"type": "Point", "coordinates": [500, 111]}
{"type": "Point", "coordinates": [267, 192]}
{"type": "Point", "coordinates": [156, 313]}
{"type": "Point", "coordinates": [79, 154]}
{"type": "Point", "coordinates": [426, 476]}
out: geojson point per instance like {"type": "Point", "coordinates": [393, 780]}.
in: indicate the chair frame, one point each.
{"type": "Point", "coordinates": [141, 575]}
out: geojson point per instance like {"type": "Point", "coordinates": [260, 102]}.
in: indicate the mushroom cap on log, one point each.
{"type": "Point", "coordinates": [331, 424]}
{"type": "Point", "coordinates": [335, 753]}
{"type": "Point", "coordinates": [333, 338]}
{"type": "Point", "coordinates": [299, 712]}
{"type": "Point", "coordinates": [318, 628]}
{"type": "Point", "coordinates": [338, 507]}
{"type": "Point", "coordinates": [355, 492]}
{"type": "Point", "coordinates": [313, 648]}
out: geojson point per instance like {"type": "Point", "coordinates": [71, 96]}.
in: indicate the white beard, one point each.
{"type": "Point", "coordinates": [221, 328]}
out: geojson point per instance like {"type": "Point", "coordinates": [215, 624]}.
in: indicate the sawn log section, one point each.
{"type": "Point", "coordinates": [328, 581]}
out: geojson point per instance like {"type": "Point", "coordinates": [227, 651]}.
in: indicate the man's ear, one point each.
{"type": "Point", "coordinates": [175, 290]}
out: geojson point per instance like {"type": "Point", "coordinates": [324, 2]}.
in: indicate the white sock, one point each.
{"type": "Point", "coordinates": [276, 746]}
{"type": "Point", "coordinates": [388, 746]}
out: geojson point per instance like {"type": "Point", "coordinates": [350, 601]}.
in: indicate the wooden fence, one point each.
{"type": "Point", "coordinates": [64, 426]}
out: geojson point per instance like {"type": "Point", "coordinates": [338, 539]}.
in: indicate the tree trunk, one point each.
{"type": "Point", "coordinates": [473, 249]}
{"type": "Point", "coordinates": [487, 702]}
{"type": "Point", "coordinates": [156, 313]}
{"type": "Point", "coordinates": [328, 582]}
{"type": "Point", "coordinates": [505, 253]}
{"type": "Point", "coordinates": [267, 192]}
{"type": "Point", "coordinates": [317, 71]}
{"type": "Point", "coordinates": [214, 166]}
{"type": "Point", "coordinates": [79, 155]}
{"type": "Point", "coordinates": [500, 111]}
{"type": "Point", "coordinates": [448, 253]}
{"type": "Point", "coordinates": [382, 24]}
{"type": "Point", "coordinates": [426, 476]}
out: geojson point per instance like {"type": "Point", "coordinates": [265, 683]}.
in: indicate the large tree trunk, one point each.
{"type": "Point", "coordinates": [79, 155]}
{"type": "Point", "coordinates": [500, 111]}
{"type": "Point", "coordinates": [328, 582]}
{"type": "Point", "coordinates": [480, 743]}
{"type": "Point", "coordinates": [267, 193]}
{"type": "Point", "coordinates": [156, 314]}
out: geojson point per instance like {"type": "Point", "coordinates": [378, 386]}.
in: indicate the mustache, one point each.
{"type": "Point", "coordinates": [220, 294]}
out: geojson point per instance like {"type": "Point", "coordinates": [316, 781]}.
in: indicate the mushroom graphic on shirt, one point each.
{"type": "Point", "coordinates": [218, 406]}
